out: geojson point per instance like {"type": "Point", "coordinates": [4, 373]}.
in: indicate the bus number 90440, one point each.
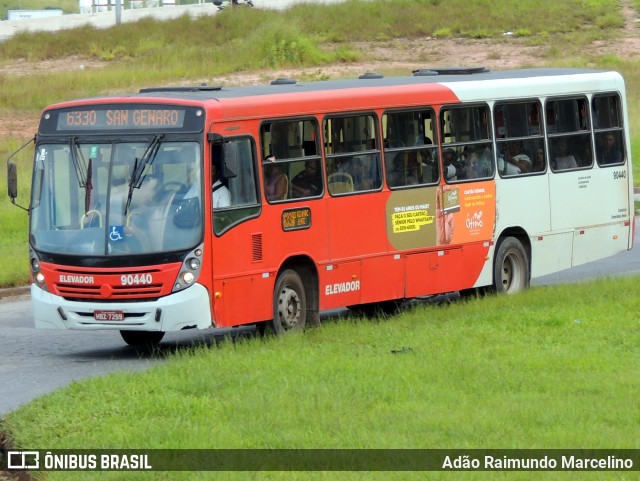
{"type": "Point", "coordinates": [136, 280]}
{"type": "Point", "coordinates": [619, 174]}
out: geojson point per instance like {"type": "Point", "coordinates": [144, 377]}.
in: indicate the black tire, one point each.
{"type": "Point", "coordinates": [142, 338]}
{"type": "Point", "coordinates": [289, 303]}
{"type": "Point", "coordinates": [511, 272]}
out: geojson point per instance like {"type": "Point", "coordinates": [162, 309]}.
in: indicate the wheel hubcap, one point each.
{"type": "Point", "coordinates": [289, 307]}
{"type": "Point", "coordinates": [510, 274]}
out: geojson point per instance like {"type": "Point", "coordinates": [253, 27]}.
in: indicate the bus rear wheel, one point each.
{"type": "Point", "coordinates": [511, 269]}
{"type": "Point", "coordinates": [142, 338]}
{"type": "Point", "coordinates": [289, 303]}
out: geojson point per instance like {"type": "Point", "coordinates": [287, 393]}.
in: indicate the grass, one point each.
{"type": "Point", "coordinates": [555, 367]}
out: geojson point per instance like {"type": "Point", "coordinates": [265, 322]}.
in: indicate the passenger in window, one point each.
{"type": "Point", "coordinates": [477, 166]}
{"type": "Point", "coordinates": [515, 156]}
{"type": "Point", "coordinates": [362, 175]}
{"type": "Point", "coordinates": [221, 196]}
{"type": "Point", "coordinates": [584, 112]}
{"type": "Point", "coordinates": [395, 176]}
{"type": "Point", "coordinates": [506, 168]}
{"type": "Point", "coordinates": [449, 162]}
{"type": "Point", "coordinates": [342, 165]}
{"type": "Point", "coordinates": [429, 167]}
{"type": "Point", "coordinates": [564, 160]}
{"type": "Point", "coordinates": [538, 160]}
{"type": "Point", "coordinates": [415, 169]}
{"type": "Point", "coordinates": [484, 168]}
{"type": "Point", "coordinates": [609, 152]}
{"type": "Point", "coordinates": [275, 182]}
{"type": "Point", "coordinates": [469, 163]}
{"type": "Point", "coordinates": [307, 183]}
{"type": "Point", "coordinates": [586, 156]}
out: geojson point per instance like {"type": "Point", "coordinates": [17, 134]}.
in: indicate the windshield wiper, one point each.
{"type": "Point", "coordinates": [78, 162]}
{"type": "Point", "coordinates": [139, 166]}
{"type": "Point", "coordinates": [84, 171]}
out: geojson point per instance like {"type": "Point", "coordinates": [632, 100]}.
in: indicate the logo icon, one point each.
{"type": "Point", "coordinates": [23, 460]}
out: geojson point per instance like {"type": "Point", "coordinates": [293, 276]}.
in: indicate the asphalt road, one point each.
{"type": "Point", "coordinates": [35, 362]}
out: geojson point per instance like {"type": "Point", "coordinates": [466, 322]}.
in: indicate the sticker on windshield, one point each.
{"type": "Point", "coordinates": [116, 233]}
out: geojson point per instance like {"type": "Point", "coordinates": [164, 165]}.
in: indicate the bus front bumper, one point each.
{"type": "Point", "coordinates": [186, 309]}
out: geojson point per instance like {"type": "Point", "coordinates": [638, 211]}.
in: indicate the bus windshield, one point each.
{"type": "Point", "coordinates": [106, 199]}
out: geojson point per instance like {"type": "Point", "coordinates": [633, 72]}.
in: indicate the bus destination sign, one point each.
{"type": "Point", "coordinates": [123, 117]}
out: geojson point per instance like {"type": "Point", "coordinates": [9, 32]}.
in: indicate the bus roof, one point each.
{"type": "Point", "coordinates": [369, 91]}
{"type": "Point", "coordinates": [448, 76]}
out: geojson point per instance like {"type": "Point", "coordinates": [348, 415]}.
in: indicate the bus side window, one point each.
{"type": "Point", "coordinates": [519, 138]}
{"type": "Point", "coordinates": [242, 187]}
{"type": "Point", "coordinates": [352, 154]}
{"type": "Point", "coordinates": [608, 130]}
{"type": "Point", "coordinates": [568, 127]}
{"type": "Point", "coordinates": [466, 133]}
{"type": "Point", "coordinates": [411, 152]}
{"type": "Point", "coordinates": [291, 163]}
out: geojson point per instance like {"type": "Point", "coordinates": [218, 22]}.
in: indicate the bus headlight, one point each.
{"type": "Point", "coordinates": [188, 278]}
{"type": "Point", "coordinates": [36, 273]}
{"type": "Point", "coordinates": [194, 264]}
{"type": "Point", "coordinates": [190, 270]}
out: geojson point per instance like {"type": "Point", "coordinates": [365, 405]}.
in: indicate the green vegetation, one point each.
{"type": "Point", "coordinates": [554, 367]}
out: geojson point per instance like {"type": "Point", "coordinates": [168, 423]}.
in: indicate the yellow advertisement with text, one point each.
{"type": "Point", "coordinates": [441, 215]}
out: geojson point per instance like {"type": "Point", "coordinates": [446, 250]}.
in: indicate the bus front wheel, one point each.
{"type": "Point", "coordinates": [511, 269]}
{"type": "Point", "coordinates": [142, 338]}
{"type": "Point", "coordinates": [289, 303]}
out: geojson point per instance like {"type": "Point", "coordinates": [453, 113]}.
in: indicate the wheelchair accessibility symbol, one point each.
{"type": "Point", "coordinates": [116, 233]}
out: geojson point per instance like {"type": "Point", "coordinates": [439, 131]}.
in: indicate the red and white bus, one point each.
{"type": "Point", "coordinates": [199, 207]}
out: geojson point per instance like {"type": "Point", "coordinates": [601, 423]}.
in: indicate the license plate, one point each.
{"type": "Point", "coordinates": [108, 315]}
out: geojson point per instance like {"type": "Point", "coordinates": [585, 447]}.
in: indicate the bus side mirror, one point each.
{"type": "Point", "coordinates": [12, 181]}
{"type": "Point", "coordinates": [230, 158]}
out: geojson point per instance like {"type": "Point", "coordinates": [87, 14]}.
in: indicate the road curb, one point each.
{"type": "Point", "coordinates": [14, 291]}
